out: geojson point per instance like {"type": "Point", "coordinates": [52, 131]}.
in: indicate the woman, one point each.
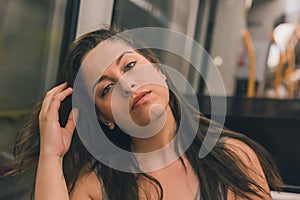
{"type": "Point", "coordinates": [236, 168]}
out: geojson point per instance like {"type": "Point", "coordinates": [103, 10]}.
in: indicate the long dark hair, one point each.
{"type": "Point", "coordinates": [219, 171]}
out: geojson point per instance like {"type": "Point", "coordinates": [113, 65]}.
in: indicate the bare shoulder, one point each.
{"type": "Point", "coordinates": [87, 187]}
{"type": "Point", "coordinates": [241, 149]}
{"type": "Point", "coordinates": [246, 154]}
{"type": "Point", "coordinates": [249, 158]}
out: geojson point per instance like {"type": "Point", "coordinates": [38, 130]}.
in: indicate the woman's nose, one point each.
{"type": "Point", "coordinates": [127, 86]}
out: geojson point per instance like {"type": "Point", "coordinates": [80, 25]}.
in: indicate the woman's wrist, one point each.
{"type": "Point", "coordinates": [50, 157]}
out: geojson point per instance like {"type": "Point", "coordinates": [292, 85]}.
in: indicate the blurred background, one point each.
{"type": "Point", "coordinates": [254, 43]}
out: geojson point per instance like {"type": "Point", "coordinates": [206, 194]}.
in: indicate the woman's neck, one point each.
{"type": "Point", "coordinates": [156, 152]}
{"type": "Point", "coordinates": [159, 140]}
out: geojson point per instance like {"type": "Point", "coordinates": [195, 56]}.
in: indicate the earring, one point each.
{"type": "Point", "coordinates": [163, 76]}
{"type": "Point", "coordinates": [110, 125]}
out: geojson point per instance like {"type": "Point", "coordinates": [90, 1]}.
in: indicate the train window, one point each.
{"type": "Point", "coordinates": [30, 41]}
{"type": "Point", "coordinates": [253, 38]}
{"type": "Point", "coordinates": [261, 78]}
{"type": "Point", "coordinates": [257, 42]}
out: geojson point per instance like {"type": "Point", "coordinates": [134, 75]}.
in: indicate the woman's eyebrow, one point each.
{"type": "Point", "coordinates": [104, 77]}
{"type": "Point", "coordinates": [121, 56]}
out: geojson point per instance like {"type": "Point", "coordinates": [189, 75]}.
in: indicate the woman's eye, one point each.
{"type": "Point", "coordinates": [129, 66]}
{"type": "Point", "coordinates": [106, 89]}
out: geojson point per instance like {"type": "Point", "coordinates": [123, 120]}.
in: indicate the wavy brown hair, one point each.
{"type": "Point", "coordinates": [219, 171]}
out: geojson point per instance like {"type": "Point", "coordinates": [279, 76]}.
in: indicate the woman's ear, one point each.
{"type": "Point", "coordinates": [160, 72]}
{"type": "Point", "coordinates": [109, 123]}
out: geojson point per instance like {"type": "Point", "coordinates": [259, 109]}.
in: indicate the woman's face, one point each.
{"type": "Point", "coordinates": [129, 87]}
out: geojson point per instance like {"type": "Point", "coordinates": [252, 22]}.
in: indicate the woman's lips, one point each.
{"type": "Point", "coordinates": [139, 99]}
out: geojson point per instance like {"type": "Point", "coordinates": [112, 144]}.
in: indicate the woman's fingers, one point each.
{"type": "Point", "coordinates": [57, 88]}
{"type": "Point", "coordinates": [48, 97]}
{"type": "Point", "coordinates": [55, 140]}
{"type": "Point", "coordinates": [54, 98]}
{"type": "Point", "coordinates": [57, 99]}
{"type": "Point", "coordinates": [71, 123]}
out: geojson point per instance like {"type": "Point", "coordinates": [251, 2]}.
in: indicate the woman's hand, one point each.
{"type": "Point", "coordinates": [54, 139]}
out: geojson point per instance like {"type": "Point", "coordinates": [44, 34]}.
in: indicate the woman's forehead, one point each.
{"type": "Point", "coordinates": [104, 54]}
{"type": "Point", "coordinates": [99, 58]}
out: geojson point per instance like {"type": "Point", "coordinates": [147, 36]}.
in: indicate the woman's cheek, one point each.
{"type": "Point", "coordinates": [104, 107]}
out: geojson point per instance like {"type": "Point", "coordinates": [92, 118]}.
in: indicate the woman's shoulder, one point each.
{"type": "Point", "coordinates": [252, 163]}
{"type": "Point", "coordinates": [243, 152]}
{"type": "Point", "coordinates": [241, 149]}
{"type": "Point", "coordinates": [87, 187]}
